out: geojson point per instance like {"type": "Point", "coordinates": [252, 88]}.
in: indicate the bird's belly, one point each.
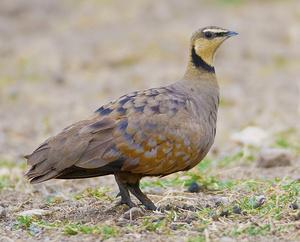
{"type": "Point", "coordinates": [177, 153]}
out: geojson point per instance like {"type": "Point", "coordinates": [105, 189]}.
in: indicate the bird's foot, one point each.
{"type": "Point", "coordinates": [127, 202]}
{"type": "Point", "coordinates": [136, 191]}
{"type": "Point", "coordinates": [150, 206]}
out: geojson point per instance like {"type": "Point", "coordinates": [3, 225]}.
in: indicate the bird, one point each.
{"type": "Point", "coordinates": [152, 132]}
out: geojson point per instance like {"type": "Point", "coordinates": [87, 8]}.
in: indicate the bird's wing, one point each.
{"type": "Point", "coordinates": [153, 134]}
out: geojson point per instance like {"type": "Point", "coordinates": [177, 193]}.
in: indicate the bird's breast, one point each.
{"type": "Point", "coordinates": [174, 147]}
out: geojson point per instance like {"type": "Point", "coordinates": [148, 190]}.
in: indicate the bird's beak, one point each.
{"type": "Point", "coordinates": [231, 33]}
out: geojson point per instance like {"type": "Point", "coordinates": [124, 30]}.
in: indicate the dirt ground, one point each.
{"type": "Point", "coordinates": [61, 60]}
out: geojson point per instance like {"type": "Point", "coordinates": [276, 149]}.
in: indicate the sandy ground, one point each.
{"type": "Point", "coordinates": [61, 60]}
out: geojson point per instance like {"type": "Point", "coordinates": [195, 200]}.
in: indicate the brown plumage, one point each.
{"type": "Point", "coordinates": [154, 132]}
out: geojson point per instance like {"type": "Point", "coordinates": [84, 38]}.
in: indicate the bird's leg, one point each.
{"type": "Point", "coordinates": [136, 191]}
{"type": "Point", "coordinates": [125, 197]}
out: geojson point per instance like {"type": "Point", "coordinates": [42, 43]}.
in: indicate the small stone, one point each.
{"type": "Point", "coordinates": [34, 212]}
{"type": "Point", "coordinates": [2, 212]}
{"type": "Point", "coordinates": [294, 206]}
{"type": "Point", "coordinates": [259, 201]}
{"type": "Point", "coordinates": [236, 209]}
{"type": "Point", "coordinates": [273, 157]}
{"type": "Point", "coordinates": [133, 213]}
{"type": "Point", "coordinates": [194, 188]}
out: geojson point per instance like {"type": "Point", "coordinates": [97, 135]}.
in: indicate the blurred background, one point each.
{"type": "Point", "coordinates": [60, 60]}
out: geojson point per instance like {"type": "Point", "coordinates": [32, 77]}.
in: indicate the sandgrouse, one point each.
{"type": "Point", "coordinates": [154, 132]}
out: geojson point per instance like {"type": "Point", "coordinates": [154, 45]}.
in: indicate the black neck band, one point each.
{"type": "Point", "coordinates": [200, 63]}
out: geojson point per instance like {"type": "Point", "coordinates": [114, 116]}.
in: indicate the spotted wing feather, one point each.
{"type": "Point", "coordinates": [152, 133]}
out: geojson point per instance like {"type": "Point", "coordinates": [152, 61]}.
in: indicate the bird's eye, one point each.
{"type": "Point", "coordinates": [208, 35]}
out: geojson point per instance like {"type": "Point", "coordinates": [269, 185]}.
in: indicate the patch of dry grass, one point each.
{"type": "Point", "coordinates": [235, 208]}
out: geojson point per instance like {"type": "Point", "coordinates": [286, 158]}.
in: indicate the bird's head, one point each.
{"type": "Point", "coordinates": [204, 44]}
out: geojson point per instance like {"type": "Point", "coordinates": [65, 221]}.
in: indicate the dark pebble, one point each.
{"type": "Point", "coordinates": [294, 206]}
{"type": "Point", "coordinates": [194, 188]}
{"type": "Point", "coordinates": [236, 209]}
{"type": "Point", "coordinates": [260, 200]}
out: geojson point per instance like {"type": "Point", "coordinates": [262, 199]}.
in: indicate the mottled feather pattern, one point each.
{"type": "Point", "coordinates": [147, 137]}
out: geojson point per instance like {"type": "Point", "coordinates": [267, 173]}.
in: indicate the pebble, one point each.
{"type": "Point", "coordinates": [236, 209]}
{"type": "Point", "coordinates": [294, 206]}
{"type": "Point", "coordinates": [259, 201]}
{"type": "Point", "coordinates": [273, 157]}
{"type": "Point", "coordinates": [194, 188]}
